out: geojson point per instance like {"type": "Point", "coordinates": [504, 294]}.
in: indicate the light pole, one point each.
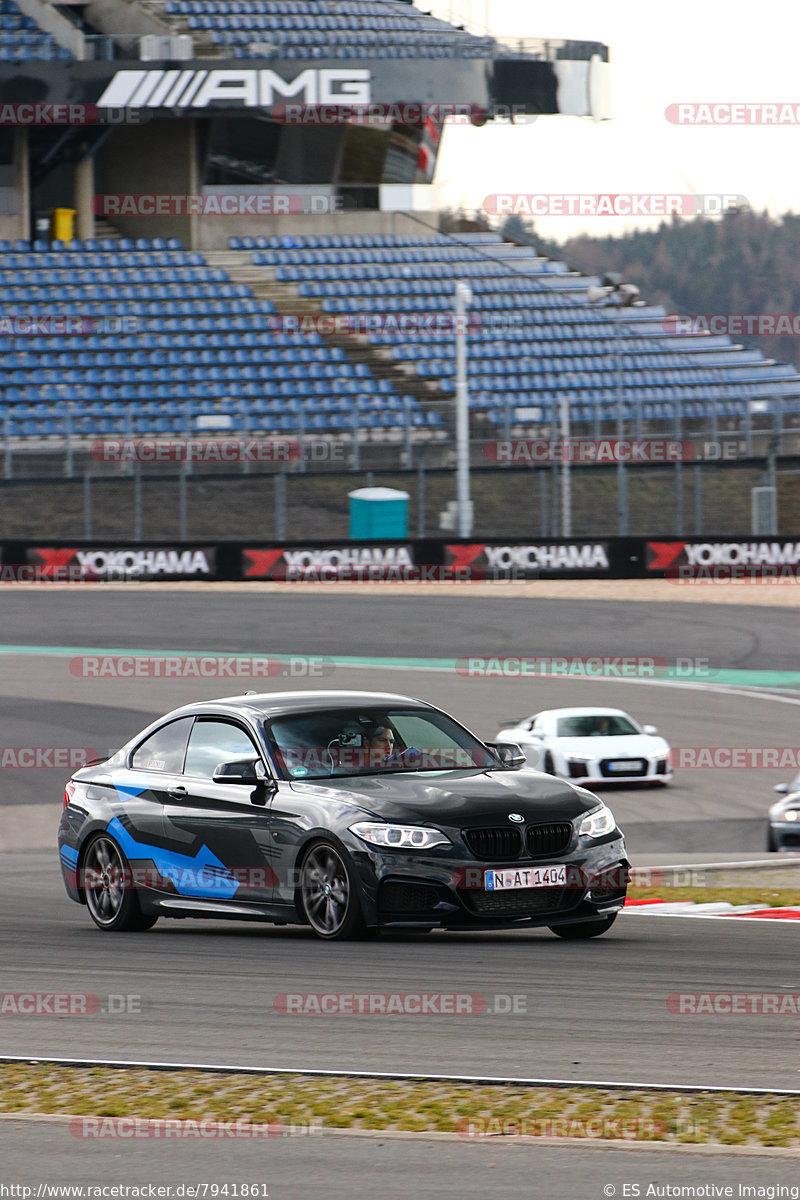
{"type": "Point", "coordinates": [463, 505]}
{"type": "Point", "coordinates": [618, 295]}
{"type": "Point", "coordinates": [566, 491]}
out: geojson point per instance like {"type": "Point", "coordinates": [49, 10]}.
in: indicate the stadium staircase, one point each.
{"type": "Point", "coordinates": [287, 304]}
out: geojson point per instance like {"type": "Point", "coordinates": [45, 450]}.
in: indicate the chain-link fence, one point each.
{"type": "Point", "coordinates": [170, 502]}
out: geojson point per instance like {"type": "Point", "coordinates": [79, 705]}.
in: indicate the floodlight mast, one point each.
{"type": "Point", "coordinates": [463, 505]}
{"type": "Point", "coordinates": [613, 293]}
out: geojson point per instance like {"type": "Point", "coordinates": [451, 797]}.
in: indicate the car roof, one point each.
{"type": "Point", "coordinates": [267, 705]}
{"type": "Point", "coordinates": [582, 712]}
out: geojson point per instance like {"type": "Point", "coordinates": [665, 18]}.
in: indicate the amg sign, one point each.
{"type": "Point", "coordinates": [245, 87]}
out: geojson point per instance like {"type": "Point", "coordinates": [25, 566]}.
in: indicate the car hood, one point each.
{"type": "Point", "coordinates": [459, 797]}
{"type": "Point", "coordinates": [628, 744]}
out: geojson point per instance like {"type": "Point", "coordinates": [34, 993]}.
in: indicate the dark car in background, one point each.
{"type": "Point", "coordinates": [783, 823]}
{"type": "Point", "coordinates": [345, 811]}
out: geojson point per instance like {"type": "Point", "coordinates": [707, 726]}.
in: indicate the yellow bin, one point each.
{"type": "Point", "coordinates": [62, 224]}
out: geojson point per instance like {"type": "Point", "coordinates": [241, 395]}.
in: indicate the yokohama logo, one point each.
{"type": "Point", "coordinates": [668, 556]}
{"type": "Point", "coordinates": [124, 563]}
{"type": "Point", "coordinates": [248, 88]}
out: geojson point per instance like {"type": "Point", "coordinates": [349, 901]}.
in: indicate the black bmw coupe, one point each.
{"type": "Point", "coordinates": [345, 811]}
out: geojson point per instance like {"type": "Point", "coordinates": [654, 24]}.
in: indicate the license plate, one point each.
{"type": "Point", "coordinates": [624, 765]}
{"type": "Point", "coordinates": [529, 877]}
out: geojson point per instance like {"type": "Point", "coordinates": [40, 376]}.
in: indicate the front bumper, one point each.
{"type": "Point", "coordinates": [786, 834]}
{"type": "Point", "coordinates": [408, 891]}
{"type": "Point", "coordinates": [596, 772]}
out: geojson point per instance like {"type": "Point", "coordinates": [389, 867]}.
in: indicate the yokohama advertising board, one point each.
{"type": "Point", "coordinates": [425, 562]}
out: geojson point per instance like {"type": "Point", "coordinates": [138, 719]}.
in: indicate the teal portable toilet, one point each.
{"type": "Point", "coordinates": [378, 513]}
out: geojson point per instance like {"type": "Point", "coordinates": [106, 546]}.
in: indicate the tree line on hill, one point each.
{"type": "Point", "coordinates": [743, 263]}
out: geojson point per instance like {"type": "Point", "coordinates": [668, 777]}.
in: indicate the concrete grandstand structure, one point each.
{"type": "Point", "coordinates": [187, 305]}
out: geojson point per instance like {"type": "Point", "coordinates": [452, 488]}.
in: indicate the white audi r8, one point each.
{"type": "Point", "coordinates": [592, 745]}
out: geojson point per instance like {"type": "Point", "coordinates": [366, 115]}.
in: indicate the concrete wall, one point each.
{"type": "Point", "coordinates": [123, 17]}
{"type": "Point", "coordinates": [14, 192]}
{"type": "Point", "coordinates": [155, 159]}
{"type": "Point", "coordinates": [213, 232]}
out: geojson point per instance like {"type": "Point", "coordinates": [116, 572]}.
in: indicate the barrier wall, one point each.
{"type": "Point", "coordinates": [430, 559]}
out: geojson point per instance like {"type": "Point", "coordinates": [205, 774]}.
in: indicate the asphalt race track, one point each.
{"type": "Point", "coordinates": [319, 1168]}
{"type": "Point", "coordinates": [205, 991]}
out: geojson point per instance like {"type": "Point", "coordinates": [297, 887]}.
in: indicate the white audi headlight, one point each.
{"type": "Point", "coordinates": [399, 837]}
{"type": "Point", "coordinates": [597, 823]}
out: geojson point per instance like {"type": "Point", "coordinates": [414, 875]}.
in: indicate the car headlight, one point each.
{"type": "Point", "coordinates": [792, 814]}
{"type": "Point", "coordinates": [597, 823]}
{"type": "Point", "coordinates": [399, 837]}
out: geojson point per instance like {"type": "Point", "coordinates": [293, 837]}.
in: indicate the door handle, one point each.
{"type": "Point", "coordinates": [178, 793]}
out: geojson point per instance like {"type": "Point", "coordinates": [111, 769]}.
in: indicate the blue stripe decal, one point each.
{"type": "Point", "coordinates": [69, 856]}
{"type": "Point", "coordinates": [202, 874]}
{"type": "Point", "coordinates": [125, 791]}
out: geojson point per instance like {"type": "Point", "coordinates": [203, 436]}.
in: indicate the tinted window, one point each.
{"type": "Point", "coordinates": [595, 726]}
{"type": "Point", "coordinates": [358, 742]}
{"type": "Point", "coordinates": [215, 742]}
{"type": "Point", "coordinates": [164, 750]}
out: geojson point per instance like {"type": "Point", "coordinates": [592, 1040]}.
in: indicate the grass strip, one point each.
{"type": "Point", "coordinates": [103, 1101]}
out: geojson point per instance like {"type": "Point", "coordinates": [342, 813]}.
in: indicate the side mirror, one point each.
{"type": "Point", "coordinates": [249, 773]}
{"type": "Point", "coordinates": [509, 754]}
{"type": "Point", "coordinates": [781, 788]}
{"type": "Point", "coordinates": [237, 772]}
{"type": "Point", "coordinates": [651, 729]}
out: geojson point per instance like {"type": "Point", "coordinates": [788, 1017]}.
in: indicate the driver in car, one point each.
{"type": "Point", "coordinates": [379, 744]}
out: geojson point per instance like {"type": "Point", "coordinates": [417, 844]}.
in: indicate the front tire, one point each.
{"type": "Point", "coordinates": [329, 895]}
{"type": "Point", "coordinates": [548, 766]}
{"type": "Point", "coordinates": [772, 841]}
{"type": "Point", "coordinates": [112, 902]}
{"type": "Point", "coordinates": [581, 930]}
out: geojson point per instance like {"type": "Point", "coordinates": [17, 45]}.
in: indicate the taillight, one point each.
{"type": "Point", "coordinates": [68, 793]}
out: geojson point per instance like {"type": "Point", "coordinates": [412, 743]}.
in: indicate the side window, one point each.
{"type": "Point", "coordinates": [164, 750]}
{"type": "Point", "coordinates": [215, 742]}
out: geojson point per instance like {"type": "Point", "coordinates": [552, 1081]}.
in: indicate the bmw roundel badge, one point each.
{"type": "Point", "coordinates": [516, 817]}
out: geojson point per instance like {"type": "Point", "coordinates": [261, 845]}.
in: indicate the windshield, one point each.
{"type": "Point", "coordinates": [372, 741]}
{"type": "Point", "coordinates": [597, 725]}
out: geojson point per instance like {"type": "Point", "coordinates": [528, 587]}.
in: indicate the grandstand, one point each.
{"type": "Point", "coordinates": [178, 321]}
{"type": "Point", "coordinates": [21, 39]}
{"type": "Point", "coordinates": [170, 343]}
{"type": "Point", "coordinates": [308, 29]}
